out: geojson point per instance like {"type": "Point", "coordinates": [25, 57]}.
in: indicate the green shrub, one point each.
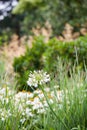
{"type": "Point", "coordinates": [45, 56]}
{"type": "Point", "coordinates": [74, 52]}
{"type": "Point", "coordinates": [32, 60]}
{"type": "Point", "coordinates": [3, 38]}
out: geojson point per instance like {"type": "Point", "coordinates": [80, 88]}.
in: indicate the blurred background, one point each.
{"type": "Point", "coordinates": [30, 17]}
{"type": "Point", "coordinates": [22, 20]}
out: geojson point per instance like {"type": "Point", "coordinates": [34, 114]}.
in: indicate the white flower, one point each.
{"type": "Point", "coordinates": [5, 114]}
{"type": "Point", "coordinates": [3, 91]}
{"type": "Point", "coordinates": [58, 95]}
{"type": "Point", "coordinates": [29, 102]}
{"type": "Point", "coordinates": [47, 89]}
{"type": "Point", "coordinates": [38, 78]}
{"type": "Point", "coordinates": [41, 111]}
{"type": "Point", "coordinates": [36, 100]}
{"type": "Point", "coordinates": [41, 95]}
{"type": "Point", "coordinates": [37, 106]}
{"type": "Point", "coordinates": [37, 91]}
{"type": "Point", "coordinates": [27, 110]}
{"type": "Point", "coordinates": [50, 100]}
{"type": "Point", "coordinates": [56, 86]}
{"type": "Point", "coordinates": [3, 119]}
{"type": "Point", "coordinates": [22, 120]}
{"type": "Point", "coordinates": [23, 96]}
{"type": "Point", "coordinates": [30, 114]}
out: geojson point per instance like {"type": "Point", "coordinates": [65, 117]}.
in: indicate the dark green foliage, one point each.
{"type": "Point", "coordinates": [57, 12]}
{"type": "Point", "coordinates": [45, 56]}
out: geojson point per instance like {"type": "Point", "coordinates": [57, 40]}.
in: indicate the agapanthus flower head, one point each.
{"type": "Point", "coordinates": [38, 78]}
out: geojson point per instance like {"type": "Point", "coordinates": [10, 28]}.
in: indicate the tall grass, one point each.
{"type": "Point", "coordinates": [67, 109]}
{"type": "Point", "coordinates": [70, 112]}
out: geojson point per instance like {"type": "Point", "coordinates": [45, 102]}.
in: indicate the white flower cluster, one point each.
{"type": "Point", "coordinates": [4, 114]}
{"type": "Point", "coordinates": [5, 94]}
{"type": "Point", "coordinates": [38, 78]}
{"type": "Point", "coordinates": [28, 105]}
